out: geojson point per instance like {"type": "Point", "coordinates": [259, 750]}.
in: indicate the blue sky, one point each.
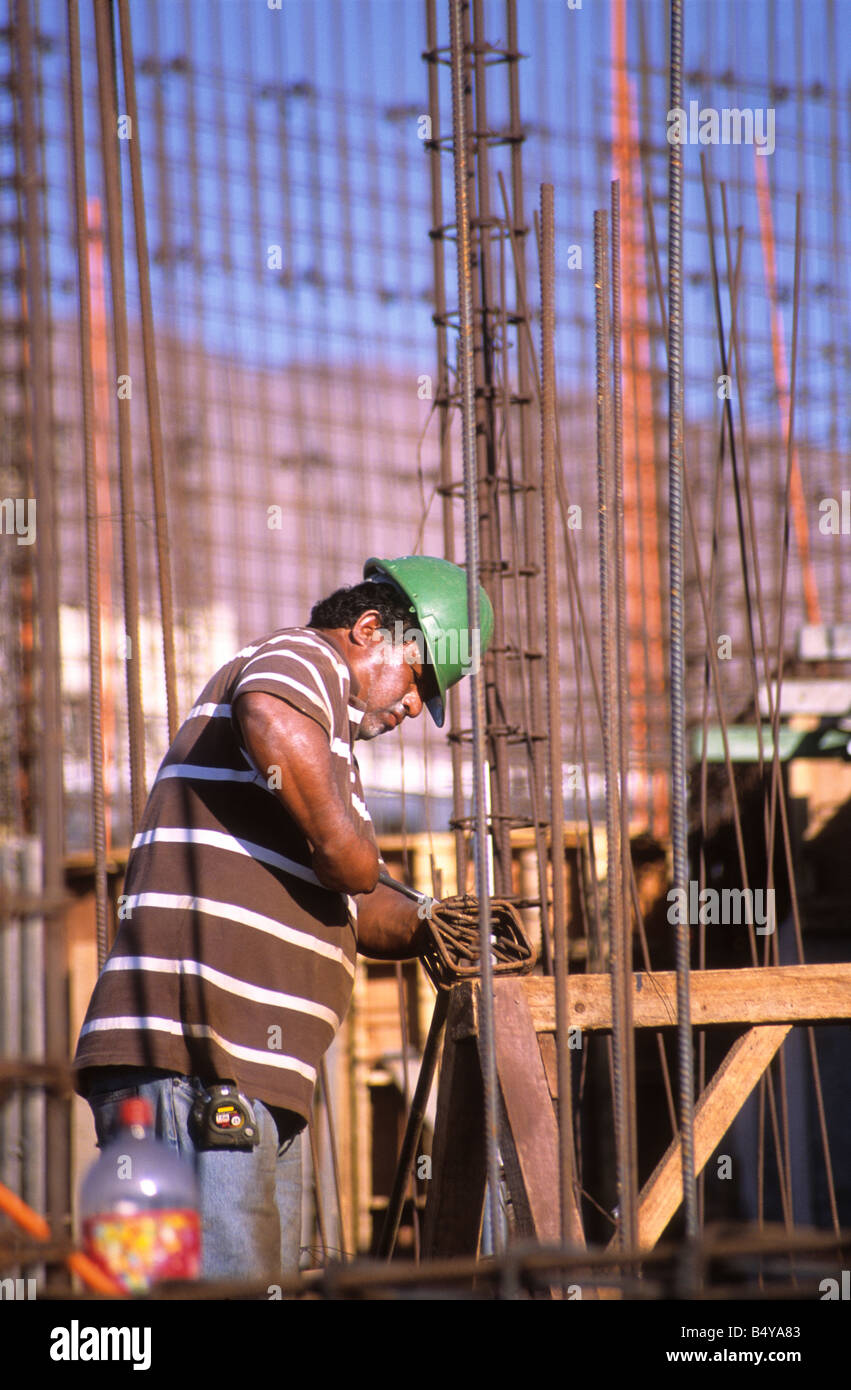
{"type": "Point", "coordinates": [333, 88]}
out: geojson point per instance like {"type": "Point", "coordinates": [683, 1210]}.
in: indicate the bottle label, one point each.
{"type": "Point", "coordinates": [140, 1250]}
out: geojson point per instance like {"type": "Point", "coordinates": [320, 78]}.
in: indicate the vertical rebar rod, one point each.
{"type": "Point", "coordinates": [403, 1030]}
{"type": "Point", "coordinates": [152, 392]}
{"type": "Point", "coordinates": [747, 526]}
{"type": "Point", "coordinates": [487, 391]}
{"type": "Point", "coordinates": [551, 630]}
{"type": "Point", "coordinates": [610, 723]}
{"type": "Point", "coordinates": [413, 1127]}
{"type": "Point", "coordinates": [528, 459]}
{"type": "Point", "coordinates": [114, 222]}
{"type": "Point", "coordinates": [621, 960]}
{"type": "Point", "coordinates": [679, 826]}
{"type": "Point", "coordinates": [444, 413]}
{"type": "Point", "coordinates": [335, 1159]}
{"type": "Point", "coordinates": [50, 782]}
{"type": "Point", "coordinates": [197, 578]}
{"type": "Point", "coordinates": [471, 538]}
{"type": "Point", "coordinates": [318, 1198]}
{"type": "Point", "coordinates": [93, 596]}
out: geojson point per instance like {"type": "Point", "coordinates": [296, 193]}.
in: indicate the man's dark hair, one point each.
{"type": "Point", "coordinates": [345, 606]}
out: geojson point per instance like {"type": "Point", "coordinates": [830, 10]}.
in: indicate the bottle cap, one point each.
{"type": "Point", "coordinates": [135, 1112]}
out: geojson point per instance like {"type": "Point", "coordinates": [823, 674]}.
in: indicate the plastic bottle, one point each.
{"type": "Point", "coordinates": [139, 1207]}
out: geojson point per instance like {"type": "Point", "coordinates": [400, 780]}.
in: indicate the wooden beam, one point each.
{"type": "Point", "coordinates": [529, 1132]}
{"type": "Point", "coordinates": [716, 1110]}
{"type": "Point", "coordinates": [453, 1214]}
{"type": "Point", "coordinates": [773, 994]}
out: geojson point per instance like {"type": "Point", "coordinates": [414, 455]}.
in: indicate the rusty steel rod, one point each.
{"type": "Point", "coordinates": [471, 536]}
{"type": "Point", "coordinates": [767, 1083]}
{"type": "Point", "coordinates": [621, 944]}
{"type": "Point", "coordinates": [778, 791]}
{"type": "Point", "coordinates": [335, 1161]}
{"type": "Point", "coordinates": [577, 606]}
{"type": "Point", "coordinates": [442, 402]}
{"type": "Point", "coordinates": [679, 792]}
{"type": "Point", "coordinates": [487, 472]}
{"type": "Point", "coordinates": [50, 781]}
{"type": "Point", "coordinates": [610, 726]}
{"type": "Point", "coordinates": [93, 594]}
{"type": "Point", "coordinates": [534, 713]}
{"type": "Point", "coordinates": [130, 571]}
{"type": "Point", "coordinates": [551, 640]}
{"type": "Point", "coordinates": [413, 1127]}
{"type": "Point", "coordinates": [576, 593]}
{"type": "Point", "coordinates": [318, 1198]}
{"type": "Point", "coordinates": [152, 393]}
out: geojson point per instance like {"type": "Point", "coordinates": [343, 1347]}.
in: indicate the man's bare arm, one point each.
{"type": "Point", "coordinates": [389, 927]}
{"type": "Point", "coordinates": [277, 736]}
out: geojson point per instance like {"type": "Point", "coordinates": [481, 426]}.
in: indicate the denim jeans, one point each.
{"type": "Point", "coordinates": [250, 1200]}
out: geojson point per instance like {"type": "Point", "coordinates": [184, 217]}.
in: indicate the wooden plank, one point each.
{"type": "Point", "coordinates": [454, 1204]}
{"type": "Point", "coordinates": [715, 1111]}
{"type": "Point", "coordinates": [529, 1132]}
{"type": "Point", "coordinates": [549, 1057]}
{"type": "Point", "coordinates": [774, 994]}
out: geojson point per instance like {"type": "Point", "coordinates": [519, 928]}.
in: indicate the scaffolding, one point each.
{"type": "Point", "coordinates": [241, 353]}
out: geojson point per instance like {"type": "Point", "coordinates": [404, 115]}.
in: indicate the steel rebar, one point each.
{"type": "Point", "coordinates": [413, 1127]}
{"type": "Point", "coordinates": [442, 403]}
{"type": "Point", "coordinates": [471, 537]}
{"type": "Point", "coordinates": [130, 572]}
{"type": "Point", "coordinates": [621, 944]}
{"type": "Point", "coordinates": [93, 594]}
{"type": "Point", "coordinates": [534, 715]}
{"type": "Point", "coordinates": [551, 639]}
{"type": "Point", "coordinates": [610, 723]}
{"type": "Point", "coordinates": [491, 561]}
{"type": "Point", "coordinates": [152, 392]}
{"type": "Point", "coordinates": [50, 780]}
{"type": "Point", "coordinates": [679, 792]}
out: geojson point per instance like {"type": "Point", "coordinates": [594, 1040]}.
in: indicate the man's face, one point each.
{"type": "Point", "coordinates": [395, 688]}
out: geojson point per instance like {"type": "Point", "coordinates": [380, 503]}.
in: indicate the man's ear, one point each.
{"type": "Point", "coordinates": [367, 629]}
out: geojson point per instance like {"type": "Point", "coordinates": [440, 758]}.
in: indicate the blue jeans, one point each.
{"type": "Point", "coordinates": [250, 1200]}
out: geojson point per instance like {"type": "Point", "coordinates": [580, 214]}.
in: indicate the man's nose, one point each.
{"type": "Point", "coordinates": [412, 704]}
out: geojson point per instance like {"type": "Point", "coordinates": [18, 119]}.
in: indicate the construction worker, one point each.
{"type": "Point", "coordinates": [251, 884]}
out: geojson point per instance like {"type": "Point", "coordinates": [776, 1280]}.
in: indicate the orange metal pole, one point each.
{"type": "Point", "coordinates": [781, 381]}
{"type": "Point", "coordinates": [645, 644]}
{"type": "Point", "coordinates": [35, 1225]}
{"type": "Point", "coordinates": [104, 502]}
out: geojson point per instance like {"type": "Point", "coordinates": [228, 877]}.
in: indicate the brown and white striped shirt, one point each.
{"type": "Point", "coordinates": [232, 961]}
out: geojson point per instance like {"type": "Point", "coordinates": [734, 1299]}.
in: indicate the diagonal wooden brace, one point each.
{"type": "Point", "coordinates": [718, 1106]}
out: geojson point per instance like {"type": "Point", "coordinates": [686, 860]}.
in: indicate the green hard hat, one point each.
{"type": "Point", "coordinates": [437, 591]}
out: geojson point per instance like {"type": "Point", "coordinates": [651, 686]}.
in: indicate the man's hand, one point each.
{"type": "Point", "coordinates": [277, 736]}
{"type": "Point", "coordinates": [390, 926]}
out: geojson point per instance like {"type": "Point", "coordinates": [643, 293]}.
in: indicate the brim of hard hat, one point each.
{"type": "Point", "coordinates": [437, 709]}
{"type": "Point", "coordinates": [435, 704]}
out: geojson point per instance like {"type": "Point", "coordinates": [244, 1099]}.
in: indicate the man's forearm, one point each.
{"type": "Point", "coordinates": [280, 738]}
{"type": "Point", "coordinates": [389, 925]}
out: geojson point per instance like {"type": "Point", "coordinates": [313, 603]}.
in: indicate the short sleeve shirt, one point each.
{"type": "Point", "coordinates": [232, 961]}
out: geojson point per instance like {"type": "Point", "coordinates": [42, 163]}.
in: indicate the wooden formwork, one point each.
{"type": "Point", "coordinates": [767, 1002]}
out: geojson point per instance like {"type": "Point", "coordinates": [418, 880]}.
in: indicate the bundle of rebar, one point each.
{"type": "Point", "coordinates": [454, 952]}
